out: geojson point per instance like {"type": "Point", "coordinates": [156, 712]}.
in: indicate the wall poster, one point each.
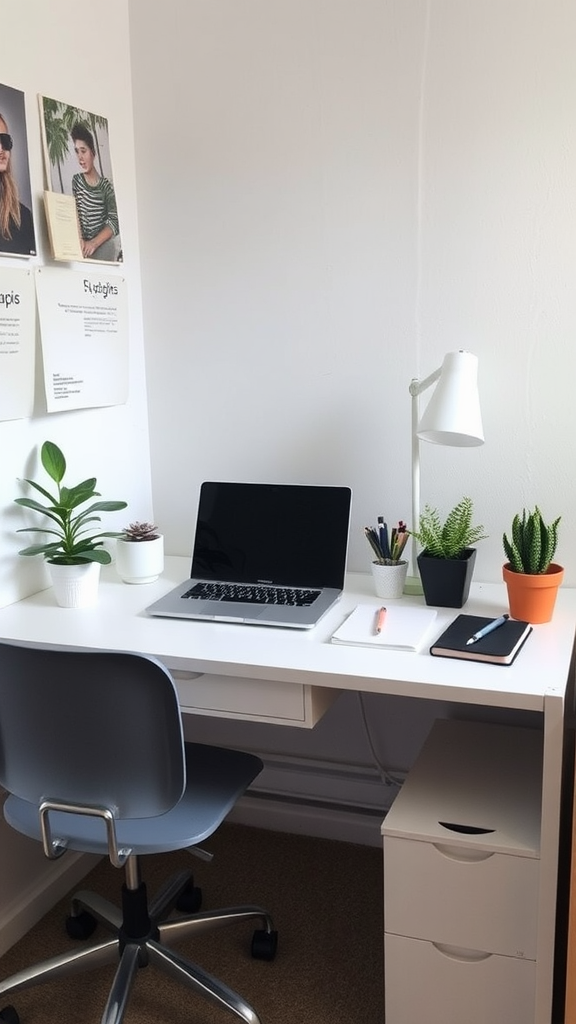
{"type": "Point", "coordinates": [79, 171]}
{"type": "Point", "coordinates": [17, 237]}
{"type": "Point", "coordinates": [84, 336]}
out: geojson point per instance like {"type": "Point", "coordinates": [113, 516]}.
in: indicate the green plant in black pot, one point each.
{"type": "Point", "coordinates": [446, 562]}
{"type": "Point", "coordinates": [75, 541]}
{"type": "Point", "coordinates": [449, 538]}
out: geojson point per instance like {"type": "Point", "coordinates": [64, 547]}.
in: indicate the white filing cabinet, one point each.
{"type": "Point", "coordinates": [461, 874]}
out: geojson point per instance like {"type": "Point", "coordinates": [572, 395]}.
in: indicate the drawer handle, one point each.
{"type": "Point", "coordinates": [180, 673]}
{"type": "Point", "coordinates": [466, 830]}
{"type": "Point", "coordinates": [462, 853]}
{"type": "Point", "coordinates": [468, 956]}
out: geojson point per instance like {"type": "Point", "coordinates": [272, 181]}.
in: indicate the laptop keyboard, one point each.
{"type": "Point", "coordinates": [252, 594]}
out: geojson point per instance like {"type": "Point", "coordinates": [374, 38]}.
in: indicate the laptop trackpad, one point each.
{"type": "Point", "coordinates": [234, 613]}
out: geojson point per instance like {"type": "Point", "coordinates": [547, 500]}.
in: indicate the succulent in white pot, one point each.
{"type": "Point", "coordinates": [140, 553]}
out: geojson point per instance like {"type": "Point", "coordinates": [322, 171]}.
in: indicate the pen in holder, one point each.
{"type": "Point", "coordinates": [389, 569]}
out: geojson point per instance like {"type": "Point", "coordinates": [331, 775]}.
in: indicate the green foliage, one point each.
{"type": "Point", "coordinates": [532, 544]}
{"type": "Point", "coordinates": [75, 543]}
{"type": "Point", "coordinates": [451, 538]}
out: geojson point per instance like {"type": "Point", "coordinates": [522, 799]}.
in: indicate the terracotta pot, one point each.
{"type": "Point", "coordinates": [532, 597]}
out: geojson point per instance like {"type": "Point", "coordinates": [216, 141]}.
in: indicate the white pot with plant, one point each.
{"type": "Point", "coordinates": [140, 553]}
{"type": "Point", "coordinates": [76, 553]}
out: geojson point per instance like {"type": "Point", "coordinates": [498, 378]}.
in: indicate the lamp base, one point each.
{"type": "Point", "coordinates": [413, 586]}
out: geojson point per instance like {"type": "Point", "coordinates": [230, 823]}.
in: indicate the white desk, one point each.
{"type": "Point", "coordinates": [243, 663]}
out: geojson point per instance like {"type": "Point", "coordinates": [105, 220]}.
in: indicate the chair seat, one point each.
{"type": "Point", "coordinates": [216, 778]}
{"type": "Point", "coordinates": [101, 732]}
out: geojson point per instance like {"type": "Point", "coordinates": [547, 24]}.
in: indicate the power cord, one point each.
{"type": "Point", "coordinates": [389, 776]}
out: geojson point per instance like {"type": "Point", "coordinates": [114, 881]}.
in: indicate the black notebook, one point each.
{"type": "Point", "coordinates": [499, 647]}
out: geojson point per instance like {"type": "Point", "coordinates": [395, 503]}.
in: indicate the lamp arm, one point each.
{"type": "Point", "coordinates": [418, 386]}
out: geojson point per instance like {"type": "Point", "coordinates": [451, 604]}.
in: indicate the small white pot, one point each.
{"type": "Point", "coordinates": [75, 586]}
{"type": "Point", "coordinates": [389, 580]}
{"type": "Point", "coordinates": [140, 561]}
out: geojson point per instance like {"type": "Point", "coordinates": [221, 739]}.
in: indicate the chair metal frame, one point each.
{"type": "Point", "coordinates": [143, 931]}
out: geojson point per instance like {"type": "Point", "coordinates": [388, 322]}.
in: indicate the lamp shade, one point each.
{"type": "Point", "coordinates": [452, 416]}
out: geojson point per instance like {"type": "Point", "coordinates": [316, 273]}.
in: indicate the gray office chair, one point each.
{"type": "Point", "coordinates": [93, 758]}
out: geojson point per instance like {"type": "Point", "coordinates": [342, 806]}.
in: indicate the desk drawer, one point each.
{"type": "Point", "coordinates": [430, 985]}
{"type": "Point", "coordinates": [461, 896]}
{"type": "Point", "coordinates": [254, 700]}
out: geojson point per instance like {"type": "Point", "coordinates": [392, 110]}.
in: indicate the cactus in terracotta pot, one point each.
{"type": "Point", "coordinates": [532, 544]}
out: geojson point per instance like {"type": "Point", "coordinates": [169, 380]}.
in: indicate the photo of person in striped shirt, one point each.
{"type": "Point", "coordinates": [95, 202]}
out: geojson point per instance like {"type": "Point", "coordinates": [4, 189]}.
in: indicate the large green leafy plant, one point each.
{"type": "Point", "coordinates": [532, 544]}
{"type": "Point", "coordinates": [451, 538]}
{"type": "Point", "coordinates": [75, 541]}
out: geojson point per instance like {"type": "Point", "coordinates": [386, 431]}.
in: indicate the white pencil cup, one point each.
{"type": "Point", "coordinates": [389, 580]}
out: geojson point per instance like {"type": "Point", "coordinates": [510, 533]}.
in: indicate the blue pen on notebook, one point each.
{"type": "Point", "coordinates": [489, 628]}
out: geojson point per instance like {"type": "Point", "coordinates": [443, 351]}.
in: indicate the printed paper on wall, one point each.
{"type": "Point", "coordinates": [84, 336]}
{"type": "Point", "coordinates": [17, 330]}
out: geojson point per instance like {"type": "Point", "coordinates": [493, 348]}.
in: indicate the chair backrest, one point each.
{"type": "Point", "coordinates": [90, 727]}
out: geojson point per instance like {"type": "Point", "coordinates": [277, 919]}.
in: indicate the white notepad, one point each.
{"type": "Point", "coordinates": [406, 628]}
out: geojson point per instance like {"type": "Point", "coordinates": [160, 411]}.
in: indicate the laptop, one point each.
{"type": "Point", "coordinates": [264, 554]}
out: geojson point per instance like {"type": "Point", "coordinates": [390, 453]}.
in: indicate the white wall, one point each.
{"type": "Point", "coordinates": [332, 194]}
{"type": "Point", "coordinates": [48, 50]}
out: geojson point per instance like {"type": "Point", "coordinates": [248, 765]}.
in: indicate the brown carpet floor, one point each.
{"type": "Point", "coordinates": [326, 900]}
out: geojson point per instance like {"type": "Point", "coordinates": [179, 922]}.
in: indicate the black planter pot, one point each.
{"type": "Point", "coordinates": [446, 581]}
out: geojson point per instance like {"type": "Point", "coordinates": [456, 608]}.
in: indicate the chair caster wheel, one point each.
{"type": "Point", "coordinates": [80, 926]}
{"type": "Point", "coordinates": [9, 1015]}
{"type": "Point", "coordinates": [264, 944]}
{"type": "Point", "coordinates": [190, 900]}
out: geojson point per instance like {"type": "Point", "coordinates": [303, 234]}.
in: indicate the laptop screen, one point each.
{"type": "Point", "coordinates": [287, 534]}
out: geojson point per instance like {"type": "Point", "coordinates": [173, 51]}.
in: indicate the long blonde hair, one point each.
{"type": "Point", "coordinates": [9, 199]}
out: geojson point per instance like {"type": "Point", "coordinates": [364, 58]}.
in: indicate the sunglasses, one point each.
{"type": "Point", "coordinates": [6, 141]}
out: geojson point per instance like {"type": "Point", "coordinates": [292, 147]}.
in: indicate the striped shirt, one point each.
{"type": "Point", "coordinates": [96, 205]}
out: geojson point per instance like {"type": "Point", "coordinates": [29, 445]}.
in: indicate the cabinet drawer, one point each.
{"type": "Point", "coordinates": [462, 896]}
{"type": "Point", "coordinates": [441, 985]}
{"type": "Point", "coordinates": [260, 700]}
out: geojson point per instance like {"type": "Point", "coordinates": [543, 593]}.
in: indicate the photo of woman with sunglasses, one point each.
{"type": "Point", "coordinates": [16, 224]}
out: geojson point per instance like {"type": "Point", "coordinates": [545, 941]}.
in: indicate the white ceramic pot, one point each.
{"type": "Point", "coordinates": [75, 586]}
{"type": "Point", "coordinates": [140, 561]}
{"type": "Point", "coordinates": [389, 580]}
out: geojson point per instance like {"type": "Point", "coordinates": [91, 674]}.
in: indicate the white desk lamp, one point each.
{"type": "Point", "coordinates": [452, 417]}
